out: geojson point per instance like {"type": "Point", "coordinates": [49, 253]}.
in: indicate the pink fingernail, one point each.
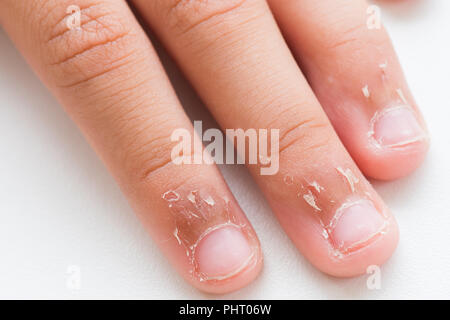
{"type": "Point", "coordinates": [397, 127]}
{"type": "Point", "coordinates": [355, 224]}
{"type": "Point", "coordinates": [223, 252]}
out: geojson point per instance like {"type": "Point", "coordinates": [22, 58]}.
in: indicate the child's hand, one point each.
{"type": "Point", "coordinates": [96, 59]}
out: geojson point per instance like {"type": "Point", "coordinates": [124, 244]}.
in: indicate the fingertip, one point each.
{"type": "Point", "coordinates": [394, 164]}
{"type": "Point", "coordinates": [395, 146]}
{"type": "Point", "coordinates": [361, 233]}
{"type": "Point", "coordinates": [374, 254]}
{"type": "Point", "coordinates": [242, 269]}
{"type": "Point", "coordinates": [335, 258]}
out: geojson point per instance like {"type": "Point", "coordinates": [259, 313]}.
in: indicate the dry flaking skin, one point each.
{"type": "Point", "coordinates": [327, 205]}
{"type": "Point", "coordinates": [366, 91]}
{"type": "Point", "coordinates": [197, 213]}
{"type": "Point", "coordinates": [311, 200]}
{"type": "Point", "coordinates": [349, 176]}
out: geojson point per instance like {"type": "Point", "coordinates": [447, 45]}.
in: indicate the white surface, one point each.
{"type": "Point", "coordinates": [59, 207]}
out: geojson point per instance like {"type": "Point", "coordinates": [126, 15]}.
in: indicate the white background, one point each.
{"type": "Point", "coordinates": [59, 207]}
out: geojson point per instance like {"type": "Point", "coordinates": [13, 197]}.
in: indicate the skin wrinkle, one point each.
{"type": "Point", "coordinates": [95, 44]}
{"type": "Point", "coordinates": [84, 12]}
{"type": "Point", "coordinates": [87, 79]}
{"type": "Point", "coordinates": [115, 62]}
{"type": "Point", "coordinates": [142, 145]}
{"type": "Point", "coordinates": [294, 136]}
{"type": "Point", "coordinates": [184, 8]}
{"type": "Point", "coordinates": [103, 25]}
{"type": "Point", "coordinates": [151, 154]}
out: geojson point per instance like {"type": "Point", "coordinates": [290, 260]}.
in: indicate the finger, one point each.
{"type": "Point", "coordinates": [110, 81]}
{"type": "Point", "coordinates": [353, 70]}
{"type": "Point", "coordinates": [237, 60]}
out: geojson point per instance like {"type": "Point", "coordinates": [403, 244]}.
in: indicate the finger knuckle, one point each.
{"type": "Point", "coordinates": [144, 159]}
{"type": "Point", "coordinates": [147, 161]}
{"type": "Point", "coordinates": [184, 15]}
{"type": "Point", "coordinates": [80, 42]}
{"type": "Point", "coordinates": [309, 134]}
{"type": "Point", "coordinates": [148, 149]}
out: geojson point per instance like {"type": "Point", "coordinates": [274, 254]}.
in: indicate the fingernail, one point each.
{"type": "Point", "coordinates": [397, 127]}
{"type": "Point", "coordinates": [223, 252]}
{"type": "Point", "coordinates": [355, 224]}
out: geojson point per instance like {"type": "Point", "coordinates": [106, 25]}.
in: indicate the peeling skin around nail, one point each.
{"type": "Point", "coordinates": [311, 200]}
{"type": "Point", "coordinates": [349, 176]}
{"type": "Point", "coordinates": [209, 201]}
{"type": "Point", "coordinates": [171, 196]}
{"type": "Point", "coordinates": [175, 234]}
{"type": "Point", "coordinates": [339, 213]}
{"type": "Point", "coordinates": [325, 234]}
{"type": "Point", "coordinates": [191, 197]}
{"type": "Point", "coordinates": [383, 67]}
{"type": "Point", "coordinates": [316, 186]}
{"type": "Point", "coordinates": [196, 213]}
{"type": "Point", "coordinates": [324, 204]}
{"type": "Point", "coordinates": [366, 91]}
{"type": "Point", "coordinates": [402, 96]}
